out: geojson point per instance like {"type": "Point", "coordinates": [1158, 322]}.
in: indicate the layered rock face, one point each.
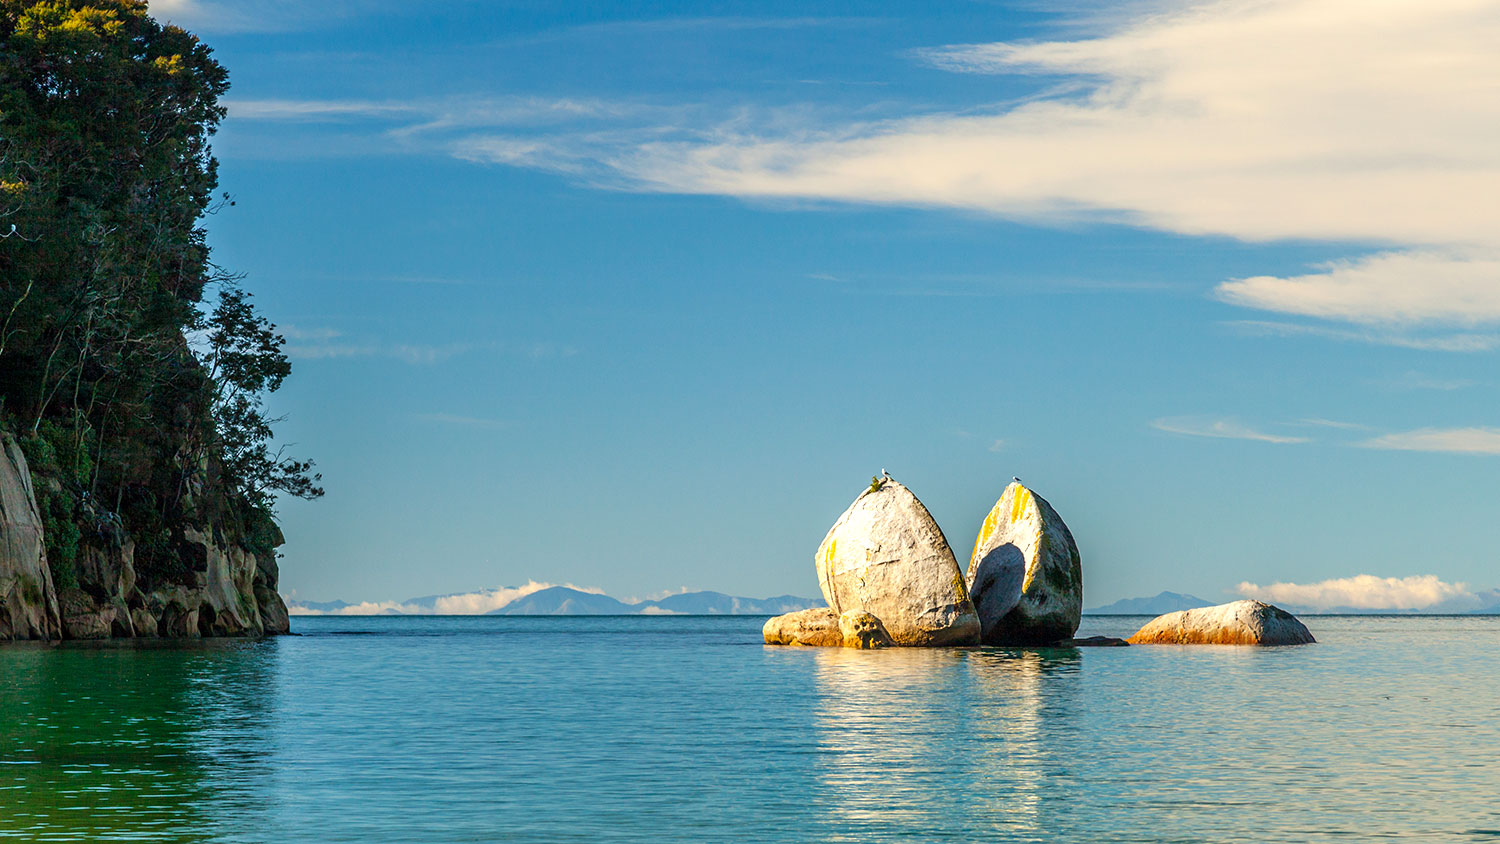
{"type": "Point", "coordinates": [1025, 576]}
{"type": "Point", "coordinates": [1237, 623]}
{"type": "Point", "coordinates": [818, 627]}
{"type": "Point", "coordinates": [28, 601]}
{"type": "Point", "coordinates": [887, 557]}
{"type": "Point", "coordinates": [232, 591]}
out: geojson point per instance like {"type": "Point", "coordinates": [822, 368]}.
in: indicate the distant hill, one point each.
{"type": "Point", "coordinates": [560, 600]}
{"type": "Point", "coordinates": [1164, 603]}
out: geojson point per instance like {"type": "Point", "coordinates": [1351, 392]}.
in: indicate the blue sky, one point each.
{"type": "Point", "coordinates": [637, 296]}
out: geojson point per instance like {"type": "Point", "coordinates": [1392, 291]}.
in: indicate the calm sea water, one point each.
{"type": "Point", "coordinates": [688, 729]}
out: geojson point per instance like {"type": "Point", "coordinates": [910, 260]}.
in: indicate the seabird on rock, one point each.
{"type": "Point", "coordinates": [1014, 478]}
{"type": "Point", "coordinates": [886, 475]}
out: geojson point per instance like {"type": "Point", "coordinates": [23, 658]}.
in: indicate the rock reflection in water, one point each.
{"type": "Point", "coordinates": [136, 742]}
{"type": "Point", "coordinates": [937, 742]}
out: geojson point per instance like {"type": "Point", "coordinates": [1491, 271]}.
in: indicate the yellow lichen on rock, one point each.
{"type": "Point", "coordinates": [863, 631]}
{"type": "Point", "coordinates": [1025, 577]}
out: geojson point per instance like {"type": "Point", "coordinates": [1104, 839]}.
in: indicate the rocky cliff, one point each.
{"type": "Point", "coordinates": [28, 600]}
{"type": "Point", "coordinates": [222, 587]}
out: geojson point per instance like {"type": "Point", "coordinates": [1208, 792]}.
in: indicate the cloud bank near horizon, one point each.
{"type": "Point", "coordinates": [467, 603]}
{"type": "Point", "coordinates": [1368, 592]}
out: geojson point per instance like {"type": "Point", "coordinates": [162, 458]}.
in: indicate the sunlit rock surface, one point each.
{"type": "Point", "coordinates": [1025, 576]}
{"type": "Point", "coordinates": [817, 627]}
{"type": "Point", "coordinates": [863, 631]}
{"type": "Point", "coordinates": [1237, 623]}
{"type": "Point", "coordinates": [886, 556]}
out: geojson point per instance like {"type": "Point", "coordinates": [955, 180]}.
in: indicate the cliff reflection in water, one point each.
{"type": "Point", "coordinates": [895, 758]}
{"type": "Point", "coordinates": [159, 743]}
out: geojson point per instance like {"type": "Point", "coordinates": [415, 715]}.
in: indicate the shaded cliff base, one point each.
{"type": "Point", "coordinates": [222, 589]}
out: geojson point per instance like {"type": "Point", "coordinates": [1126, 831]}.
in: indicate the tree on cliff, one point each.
{"type": "Point", "coordinates": [105, 176]}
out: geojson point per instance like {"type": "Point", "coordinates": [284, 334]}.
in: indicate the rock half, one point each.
{"type": "Point", "coordinates": [1237, 623]}
{"type": "Point", "coordinates": [886, 556]}
{"type": "Point", "coordinates": [1025, 575]}
{"type": "Point", "coordinates": [817, 627]}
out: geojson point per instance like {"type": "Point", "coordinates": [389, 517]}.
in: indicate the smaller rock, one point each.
{"type": "Point", "coordinates": [817, 627]}
{"type": "Point", "coordinates": [863, 631]}
{"type": "Point", "coordinates": [1237, 623]}
{"type": "Point", "coordinates": [1094, 642]}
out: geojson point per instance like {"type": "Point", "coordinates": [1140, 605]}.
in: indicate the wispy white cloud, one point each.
{"type": "Point", "coordinates": [1427, 342]}
{"type": "Point", "coordinates": [1333, 423]}
{"type": "Point", "coordinates": [332, 347]}
{"type": "Point", "coordinates": [997, 446]}
{"type": "Point", "coordinates": [285, 109]}
{"type": "Point", "coordinates": [297, 332]}
{"type": "Point", "coordinates": [1222, 428]}
{"type": "Point", "coordinates": [1413, 380]}
{"type": "Point", "coordinates": [262, 15]}
{"type": "Point", "coordinates": [463, 421]}
{"type": "Point", "coordinates": [330, 344]}
{"type": "Point", "coordinates": [411, 118]}
{"type": "Point", "coordinates": [328, 350]}
{"type": "Point", "coordinates": [1450, 440]}
{"type": "Point", "coordinates": [227, 16]}
{"type": "Point", "coordinates": [1391, 287]}
{"type": "Point", "coordinates": [1279, 119]}
{"type": "Point", "coordinates": [1365, 126]}
{"type": "Point", "coordinates": [1367, 592]}
{"type": "Point", "coordinates": [417, 353]}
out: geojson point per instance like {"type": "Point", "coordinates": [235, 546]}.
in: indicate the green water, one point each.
{"type": "Point", "coordinates": [688, 729]}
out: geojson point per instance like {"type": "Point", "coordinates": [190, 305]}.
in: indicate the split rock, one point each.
{"type": "Point", "coordinates": [886, 556]}
{"type": "Point", "coordinates": [1025, 575]}
{"type": "Point", "coordinates": [1237, 623]}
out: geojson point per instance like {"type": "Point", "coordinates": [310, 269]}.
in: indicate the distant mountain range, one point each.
{"type": "Point", "coordinates": [562, 600]}
{"type": "Point", "coordinates": [1164, 603]}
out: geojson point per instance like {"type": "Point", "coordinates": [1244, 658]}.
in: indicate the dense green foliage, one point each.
{"type": "Point", "coordinates": [140, 402]}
